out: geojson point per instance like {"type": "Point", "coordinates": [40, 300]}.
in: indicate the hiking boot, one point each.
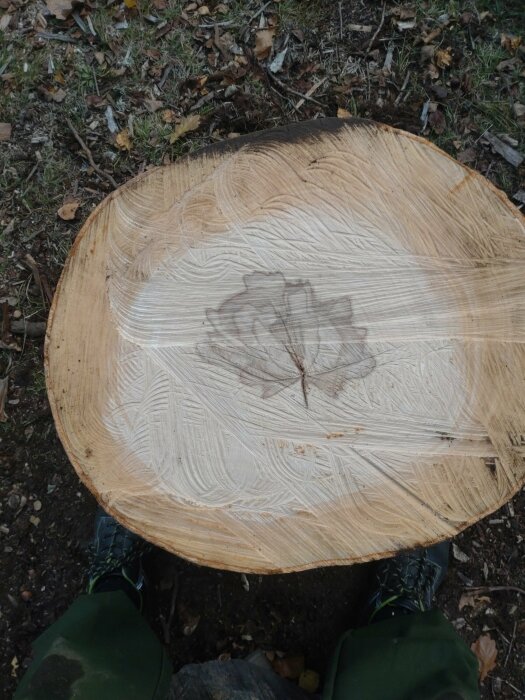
{"type": "Point", "coordinates": [116, 559]}
{"type": "Point", "coordinates": [408, 582]}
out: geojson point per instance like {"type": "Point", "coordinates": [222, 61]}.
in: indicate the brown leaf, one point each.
{"type": "Point", "coordinates": [68, 210]}
{"type": "Point", "coordinates": [187, 124]}
{"type": "Point", "coordinates": [123, 140]}
{"type": "Point", "coordinates": [61, 9]}
{"type": "Point", "coordinates": [264, 43]}
{"type": "Point", "coordinates": [485, 649]}
{"type": "Point", "coordinates": [153, 105]}
{"type": "Point", "coordinates": [403, 12]}
{"type": "Point", "coordinates": [5, 131]}
{"type": "Point", "coordinates": [343, 113]}
{"type": "Point", "coordinates": [289, 667]}
{"type": "Point", "coordinates": [437, 121]}
{"type": "Point", "coordinates": [52, 94]}
{"type": "Point", "coordinates": [443, 57]}
{"type": "Point", "coordinates": [168, 116]}
{"type": "Point", "coordinates": [473, 600]}
{"type": "Point", "coordinates": [510, 42]}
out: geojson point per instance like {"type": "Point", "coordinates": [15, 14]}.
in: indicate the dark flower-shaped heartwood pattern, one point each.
{"type": "Point", "coordinates": [276, 333]}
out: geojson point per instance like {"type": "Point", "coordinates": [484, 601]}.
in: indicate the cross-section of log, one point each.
{"type": "Point", "coordinates": [303, 347]}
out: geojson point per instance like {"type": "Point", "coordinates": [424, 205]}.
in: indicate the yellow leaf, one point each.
{"type": "Point", "coordinates": [309, 681]}
{"type": "Point", "coordinates": [485, 649]}
{"type": "Point", "coordinates": [130, 4]}
{"type": "Point", "coordinates": [187, 124]}
{"type": "Point", "coordinates": [343, 113]}
{"type": "Point", "coordinates": [264, 42]}
{"type": "Point", "coordinates": [123, 140]}
{"type": "Point", "coordinates": [443, 57]}
{"type": "Point", "coordinates": [510, 42]}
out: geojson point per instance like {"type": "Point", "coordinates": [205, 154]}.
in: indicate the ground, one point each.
{"type": "Point", "coordinates": [103, 91]}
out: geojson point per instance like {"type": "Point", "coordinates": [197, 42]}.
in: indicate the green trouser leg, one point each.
{"type": "Point", "coordinates": [100, 649]}
{"type": "Point", "coordinates": [417, 656]}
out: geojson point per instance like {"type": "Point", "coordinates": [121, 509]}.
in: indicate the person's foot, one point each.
{"type": "Point", "coordinates": [408, 582]}
{"type": "Point", "coordinates": [116, 560]}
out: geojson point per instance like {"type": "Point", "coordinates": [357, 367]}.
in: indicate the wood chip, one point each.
{"type": "Point", "coordinates": [510, 154]}
{"type": "Point", "coordinates": [366, 28]}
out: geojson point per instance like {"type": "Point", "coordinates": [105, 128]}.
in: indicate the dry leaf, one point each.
{"type": "Point", "coordinates": [264, 43]}
{"type": "Point", "coordinates": [518, 108]}
{"type": "Point", "coordinates": [457, 553]}
{"type": "Point", "coordinates": [68, 210]}
{"type": "Point", "coordinates": [187, 124]}
{"type": "Point", "coordinates": [153, 105]}
{"type": "Point", "coordinates": [61, 9]}
{"type": "Point", "coordinates": [485, 649]}
{"type": "Point", "coordinates": [52, 94]}
{"type": "Point", "coordinates": [403, 12]}
{"type": "Point", "coordinates": [443, 57]}
{"type": "Point", "coordinates": [510, 42]}
{"type": "Point", "coordinates": [289, 667]}
{"type": "Point", "coordinates": [130, 4]}
{"type": "Point", "coordinates": [437, 122]}
{"type": "Point", "coordinates": [5, 21]}
{"type": "Point", "coordinates": [474, 600]}
{"type": "Point", "coordinates": [190, 625]}
{"type": "Point", "coordinates": [123, 140]}
{"type": "Point", "coordinates": [168, 116]}
{"type": "Point", "coordinates": [343, 113]}
{"type": "Point", "coordinates": [5, 131]}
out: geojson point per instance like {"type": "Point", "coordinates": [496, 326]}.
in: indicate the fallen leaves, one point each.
{"type": "Point", "coordinates": [343, 113]}
{"type": "Point", "coordinates": [443, 57]}
{"type": "Point", "coordinates": [187, 124]}
{"type": "Point", "coordinates": [5, 131]}
{"type": "Point", "coordinates": [68, 210]}
{"type": "Point", "coordinates": [486, 652]}
{"type": "Point", "coordinates": [473, 600]}
{"type": "Point", "coordinates": [61, 9]}
{"type": "Point", "coordinates": [52, 94]}
{"type": "Point", "coordinates": [459, 554]}
{"type": "Point", "coordinates": [510, 42]}
{"type": "Point", "coordinates": [152, 105]}
{"type": "Point", "coordinates": [123, 140]}
{"type": "Point", "coordinates": [264, 43]}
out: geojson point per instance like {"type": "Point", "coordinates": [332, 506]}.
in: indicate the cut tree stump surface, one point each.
{"type": "Point", "coordinates": [299, 348]}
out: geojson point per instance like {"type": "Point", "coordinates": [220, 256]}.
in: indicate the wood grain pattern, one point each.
{"type": "Point", "coordinates": [303, 348]}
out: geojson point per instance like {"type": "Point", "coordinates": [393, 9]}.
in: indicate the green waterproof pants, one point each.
{"type": "Point", "coordinates": [418, 656]}
{"type": "Point", "coordinates": [100, 649]}
{"type": "Point", "coordinates": [103, 649]}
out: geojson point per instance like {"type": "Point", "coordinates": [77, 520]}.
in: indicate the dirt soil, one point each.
{"type": "Point", "coordinates": [103, 91]}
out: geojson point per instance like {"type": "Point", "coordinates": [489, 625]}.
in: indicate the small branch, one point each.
{"type": "Point", "coordinates": [284, 86]}
{"type": "Point", "coordinates": [310, 92]}
{"type": "Point", "coordinates": [89, 155]}
{"type": "Point", "coordinates": [403, 88]}
{"type": "Point", "coordinates": [490, 589]}
{"type": "Point", "coordinates": [377, 30]}
{"type": "Point", "coordinates": [341, 20]}
{"type": "Point", "coordinates": [511, 644]}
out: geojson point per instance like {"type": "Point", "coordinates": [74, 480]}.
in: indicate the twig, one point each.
{"type": "Point", "coordinates": [308, 95]}
{"type": "Point", "coordinates": [56, 37]}
{"type": "Point", "coordinates": [89, 155]}
{"type": "Point", "coordinates": [403, 88]}
{"type": "Point", "coordinates": [377, 30]}
{"type": "Point", "coordinates": [489, 589]}
{"type": "Point", "coordinates": [284, 86]}
{"type": "Point", "coordinates": [511, 644]}
{"type": "Point", "coordinates": [341, 20]}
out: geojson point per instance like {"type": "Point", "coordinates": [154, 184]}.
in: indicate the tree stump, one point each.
{"type": "Point", "coordinates": [299, 348]}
